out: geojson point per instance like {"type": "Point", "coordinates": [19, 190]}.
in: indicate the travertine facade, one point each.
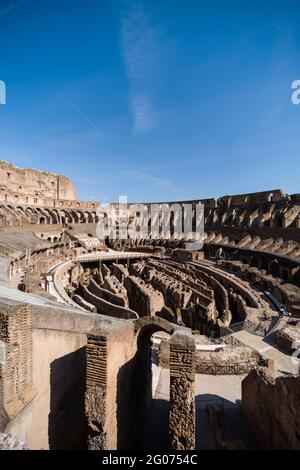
{"type": "Point", "coordinates": [17, 182]}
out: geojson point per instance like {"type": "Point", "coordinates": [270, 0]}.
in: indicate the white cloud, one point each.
{"type": "Point", "coordinates": [146, 49]}
{"type": "Point", "coordinates": [10, 7]}
{"type": "Point", "coordinates": [163, 185]}
{"type": "Point", "coordinates": [145, 117]}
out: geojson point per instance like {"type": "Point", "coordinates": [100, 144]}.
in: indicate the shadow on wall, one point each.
{"type": "Point", "coordinates": [234, 427]}
{"type": "Point", "coordinates": [155, 434]}
{"type": "Point", "coordinates": [134, 392]}
{"type": "Point", "coordinates": [67, 426]}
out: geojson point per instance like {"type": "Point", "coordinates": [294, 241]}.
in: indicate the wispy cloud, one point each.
{"type": "Point", "coordinates": [11, 6]}
{"type": "Point", "coordinates": [147, 50]}
{"type": "Point", "coordinates": [146, 117]}
{"type": "Point", "coordinates": [163, 185]}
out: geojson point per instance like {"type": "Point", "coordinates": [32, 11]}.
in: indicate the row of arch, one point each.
{"type": "Point", "coordinates": [17, 215]}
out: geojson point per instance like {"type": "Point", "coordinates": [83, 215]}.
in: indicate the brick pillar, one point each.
{"type": "Point", "coordinates": [96, 391]}
{"type": "Point", "coordinates": [110, 407]}
{"type": "Point", "coordinates": [182, 391]}
{"type": "Point", "coordinates": [16, 389]}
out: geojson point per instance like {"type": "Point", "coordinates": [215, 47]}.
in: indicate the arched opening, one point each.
{"type": "Point", "coordinates": [87, 217]}
{"type": "Point", "coordinates": [155, 430]}
{"type": "Point", "coordinates": [152, 407]}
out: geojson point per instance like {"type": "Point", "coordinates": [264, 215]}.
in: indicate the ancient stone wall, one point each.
{"type": "Point", "coordinates": [46, 212]}
{"type": "Point", "coordinates": [96, 391]}
{"type": "Point", "coordinates": [107, 308]}
{"type": "Point", "coordinates": [54, 418]}
{"type": "Point", "coordinates": [84, 304]}
{"type": "Point", "coordinates": [288, 294]}
{"type": "Point", "coordinates": [143, 298]}
{"type": "Point", "coordinates": [108, 401]}
{"type": "Point", "coordinates": [17, 388]}
{"type": "Point", "coordinates": [119, 390]}
{"type": "Point", "coordinates": [232, 360]}
{"type": "Point", "coordinates": [272, 408]}
{"type": "Point", "coordinates": [288, 337]}
{"type": "Point", "coordinates": [107, 294]}
{"type": "Point", "coordinates": [198, 296]}
{"type": "Point", "coordinates": [254, 198]}
{"type": "Point", "coordinates": [34, 182]}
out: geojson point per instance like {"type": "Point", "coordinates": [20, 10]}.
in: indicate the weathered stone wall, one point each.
{"type": "Point", "coordinates": [34, 182]}
{"type": "Point", "coordinates": [106, 294]}
{"type": "Point", "coordinates": [187, 299]}
{"type": "Point", "coordinates": [45, 211]}
{"type": "Point", "coordinates": [84, 304]}
{"type": "Point", "coordinates": [17, 388]}
{"type": "Point", "coordinates": [108, 401]}
{"type": "Point", "coordinates": [275, 263]}
{"type": "Point", "coordinates": [119, 384]}
{"type": "Point", "coordinates": [54, 418]}
{"type": "Point", "coordinates": [115, 372]}
{"type": "Point", "coordinates": [143, 298]}
{"type": "Point", "coordinates": [96, 391]}
{"type": "Point", "coordinates": [272, 408]}
{"type": "Point", "coordinates": [288, 294]}
{"type": "Point", "coordinates": [288, 337]}
{"type": "Point", "coordinates": [107, 308]}
{"type": "Point", "coordinates": [231, 360]}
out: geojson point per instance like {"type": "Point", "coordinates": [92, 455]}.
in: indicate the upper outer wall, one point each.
{"type": "Point", "coordinates": [230, 201]}
{"type": "Point", "coordinates": [35, 182]}
{"type": "Point", "coordinates": [29, 186]}
{"type": "Point", "coordinates": [17, 183]}
{"type": "Point", "coordinates": [253, 198]}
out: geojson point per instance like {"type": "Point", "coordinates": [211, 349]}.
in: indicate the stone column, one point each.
{"type": "Point", "coordinates": [182, 391]}
{"type": "Point", "coordinates": [110, 407]}
{"type": "Point", "coordinates": [96, 390]}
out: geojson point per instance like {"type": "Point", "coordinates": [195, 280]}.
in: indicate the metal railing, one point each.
{"type": "Point", "coordinates": [102, 256]}
{"type": "Point", "coordinates": [235, 368]}
{"type": "Point", "coordinates": [111, 256]}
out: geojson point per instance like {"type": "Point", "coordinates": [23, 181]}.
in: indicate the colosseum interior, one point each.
{"type": "Point", "coordinates": [146, 343]}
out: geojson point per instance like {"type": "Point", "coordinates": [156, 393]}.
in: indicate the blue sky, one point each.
{"type": "Point", "coordinates": [158, 100]}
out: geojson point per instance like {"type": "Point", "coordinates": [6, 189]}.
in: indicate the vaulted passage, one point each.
{"type": "Point", "coordinates": [131, 394]}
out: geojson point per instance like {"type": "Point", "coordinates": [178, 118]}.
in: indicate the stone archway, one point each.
{"type": "Point", "coordinates": [119, 384]}
{"type": "Point", "coordinates": [155, 322]}
{"type": "Point", "coordinates": [142, 390]}
{"type": "Point", "coordinates": [182, 375]}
